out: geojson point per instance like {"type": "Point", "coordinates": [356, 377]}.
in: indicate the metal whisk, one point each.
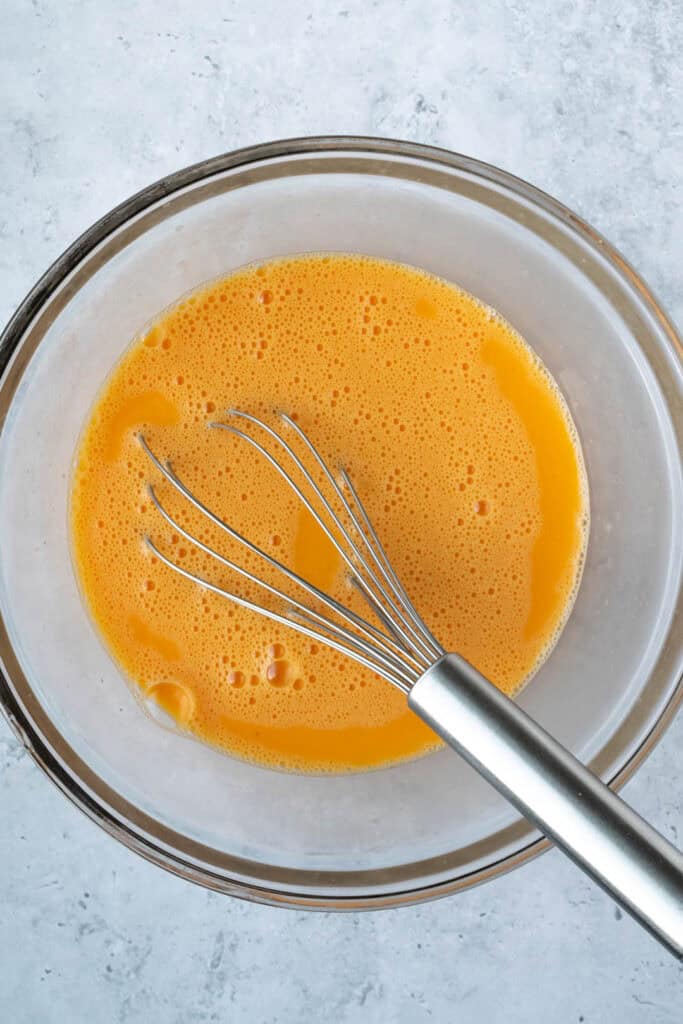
{"type": "Point", "coordinates": [623, 853]}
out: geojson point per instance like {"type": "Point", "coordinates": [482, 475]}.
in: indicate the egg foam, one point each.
{"type": "Point", "coordinates": [456, 437]}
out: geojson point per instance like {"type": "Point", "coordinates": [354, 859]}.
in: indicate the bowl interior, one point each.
{"type": "Point", "coordinates": [613, 671]}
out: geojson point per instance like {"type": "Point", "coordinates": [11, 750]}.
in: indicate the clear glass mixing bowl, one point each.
{"type": "Point", "coordinates": [612, 683]}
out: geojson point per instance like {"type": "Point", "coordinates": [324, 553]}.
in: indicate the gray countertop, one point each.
{"type": "Point", "coordinates": [98, 99]}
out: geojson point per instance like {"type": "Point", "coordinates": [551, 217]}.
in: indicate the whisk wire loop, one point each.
{"type": "Point", "coordinates": [402, 649]}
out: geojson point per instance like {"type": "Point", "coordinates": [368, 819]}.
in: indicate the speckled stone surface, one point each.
{"type": "Point", "coordinates": [98, 99]}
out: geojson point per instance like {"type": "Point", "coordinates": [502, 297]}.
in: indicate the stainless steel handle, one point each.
{"type": "Point", "coordinates": [640, 869]}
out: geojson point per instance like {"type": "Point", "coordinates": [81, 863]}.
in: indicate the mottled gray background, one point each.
{"type": "Point", "coordinates": [96, 100]}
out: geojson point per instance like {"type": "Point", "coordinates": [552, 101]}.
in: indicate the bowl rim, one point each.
{"type": "Point", "coordinates": [50, 282]}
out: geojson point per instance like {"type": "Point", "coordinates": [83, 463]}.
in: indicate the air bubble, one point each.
{"type": "Point", "coordinates": [277, 673]}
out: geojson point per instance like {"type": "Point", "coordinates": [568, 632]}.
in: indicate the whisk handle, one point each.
{"type": "Point", "coordinates": [617, 848]}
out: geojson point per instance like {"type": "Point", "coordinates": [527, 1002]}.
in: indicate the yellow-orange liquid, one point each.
{"type": "Point", "coordinates": [455, 436]}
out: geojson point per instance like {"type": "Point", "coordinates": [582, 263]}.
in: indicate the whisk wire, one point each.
{"type": "Point", "coordinates": [402, 650]}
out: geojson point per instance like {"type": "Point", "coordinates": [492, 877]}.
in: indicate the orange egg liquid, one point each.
{"type": "Point", "coordinates": [455, 436]}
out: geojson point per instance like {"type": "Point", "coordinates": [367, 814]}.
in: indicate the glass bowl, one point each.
{"type": "Point", "coordinates": [423, 828]}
